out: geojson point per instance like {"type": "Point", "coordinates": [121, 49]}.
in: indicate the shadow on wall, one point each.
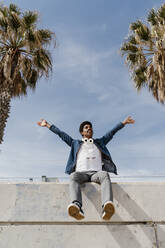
{"type": "Point", "coordinates": [137, 234]}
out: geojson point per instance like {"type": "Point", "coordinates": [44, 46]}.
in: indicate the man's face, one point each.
{"type": "Point", "coordinates": [87, 131]}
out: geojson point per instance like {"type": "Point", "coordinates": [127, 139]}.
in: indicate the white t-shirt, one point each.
{"type": "Point", "coordinates": [89, 157]}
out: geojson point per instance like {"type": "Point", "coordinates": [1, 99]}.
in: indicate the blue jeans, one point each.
{"type": "Point", "coordinates": [101, 177]}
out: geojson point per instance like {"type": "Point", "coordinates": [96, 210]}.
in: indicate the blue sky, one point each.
{"type": "Point", "coordinates": [90, 81]}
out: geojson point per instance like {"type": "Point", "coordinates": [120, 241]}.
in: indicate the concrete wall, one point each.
{"type": "Point", "coordinates": [34, 215]}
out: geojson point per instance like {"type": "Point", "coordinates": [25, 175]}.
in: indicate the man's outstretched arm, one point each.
{"type": "Point", "coordinates": [64, 136]}
{"type": "Point", "coordinates": [108, 136]}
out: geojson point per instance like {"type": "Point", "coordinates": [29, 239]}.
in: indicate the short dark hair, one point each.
{"type": "Point", "coordinates": [83, 124]}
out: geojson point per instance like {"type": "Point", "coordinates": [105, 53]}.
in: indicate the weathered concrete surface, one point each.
{"type": "Point", "coordinates": [35, 215]}
{"type": "Point", "coordinates": [48, 202]}
{"type": "Point", "coordinates": [161, 235]}
{"type": "Point", "coordinates": [73, 236]}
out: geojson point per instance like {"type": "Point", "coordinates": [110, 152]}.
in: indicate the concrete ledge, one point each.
{"type": "Point", "coordinates": [35, 215]}
{"type": "Point", "coordinates": [46, 202]}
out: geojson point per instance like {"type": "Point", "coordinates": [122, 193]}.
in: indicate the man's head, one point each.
{"type": "Point", "coordinates": [86, 129]}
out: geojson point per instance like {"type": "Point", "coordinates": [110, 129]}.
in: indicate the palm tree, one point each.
{"type": "Point", "coordinates": [24, 57]}
{"type": "Point", "coordinates": [144, 51]}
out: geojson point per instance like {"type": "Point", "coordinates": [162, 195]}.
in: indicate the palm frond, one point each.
{"type": "Point", "coordinates": [32, 81]}
{"type": "Point", "coordinates": [30, 19]}
{"type": "Point", "coordinates": [26, 67]}
{"type": "Point", "coordinates": [132, 58]}
{"type": "Point", "coordinates": [135, 25]}
{"type": "Point", "coordinates": [20, 87]}
{"type": "Point", "coordinates": [3, 24]}
{"type": "Point", "coordinates": [161, 12]}
{"type": "Point", "coordinates": [128, 47]}
{"type": "Point", "coordinates": [152, 17]}
{"type": "Point", "coordinates": [139, 77]}
{"type": "Point", "coordinates": [143, 32]}
{"type": "Point", "coordinates": [132, 40]}
{"type": "Point", "coordinates": [45, 36]}
{"type": "Point", "coordinates": [32, 40]}
{"type": "Point", "coordinates": [14, 21]}
{"type": "Point", "coordinates": [3, 11]}
{"type": "Point", "coordinates": [42, 60]}
{"type": "Point", "coordinates": [14, 8]}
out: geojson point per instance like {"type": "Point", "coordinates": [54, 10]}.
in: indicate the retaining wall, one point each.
{"type": "Point", "coordinates": [34, 215]}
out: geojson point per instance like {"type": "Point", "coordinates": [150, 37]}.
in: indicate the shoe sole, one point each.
{"type": "Point", "coordinates": [109, 210]}
{"type": "Point", "coordinates": [74, 212]}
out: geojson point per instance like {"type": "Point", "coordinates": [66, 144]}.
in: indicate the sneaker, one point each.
{"type": "Point", "coordinates": [108, 210]}
{"type": "Point", "coordinates": [75, 211]}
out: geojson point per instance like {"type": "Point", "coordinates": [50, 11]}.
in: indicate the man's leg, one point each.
{"type": "Point", "coordinates": [103, 178]}
{"type": "Point", "coordinates": [76, 179]}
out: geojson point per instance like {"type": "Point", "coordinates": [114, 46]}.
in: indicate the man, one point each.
{"type": "Point", "coordinates": [89, 161]}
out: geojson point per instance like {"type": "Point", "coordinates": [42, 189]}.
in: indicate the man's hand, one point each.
{"type": "Point", "coordinates": [128, 120]}
{"type": "Point", "coordinates": [43, 123]}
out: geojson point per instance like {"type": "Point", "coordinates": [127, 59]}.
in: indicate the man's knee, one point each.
{"type": "Point", "coordinates": [104, 175]}
{"type": "Point", "coordinates": [75, 176]}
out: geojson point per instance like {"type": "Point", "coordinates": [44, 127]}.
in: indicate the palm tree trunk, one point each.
{"type": "Point", "coordinates": [5, 99]}
{"type": "Point", "coordinates": [6, 90]}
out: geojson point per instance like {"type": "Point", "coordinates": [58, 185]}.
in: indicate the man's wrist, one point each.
{"type": "Point", "coordinates": [48, 125]}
